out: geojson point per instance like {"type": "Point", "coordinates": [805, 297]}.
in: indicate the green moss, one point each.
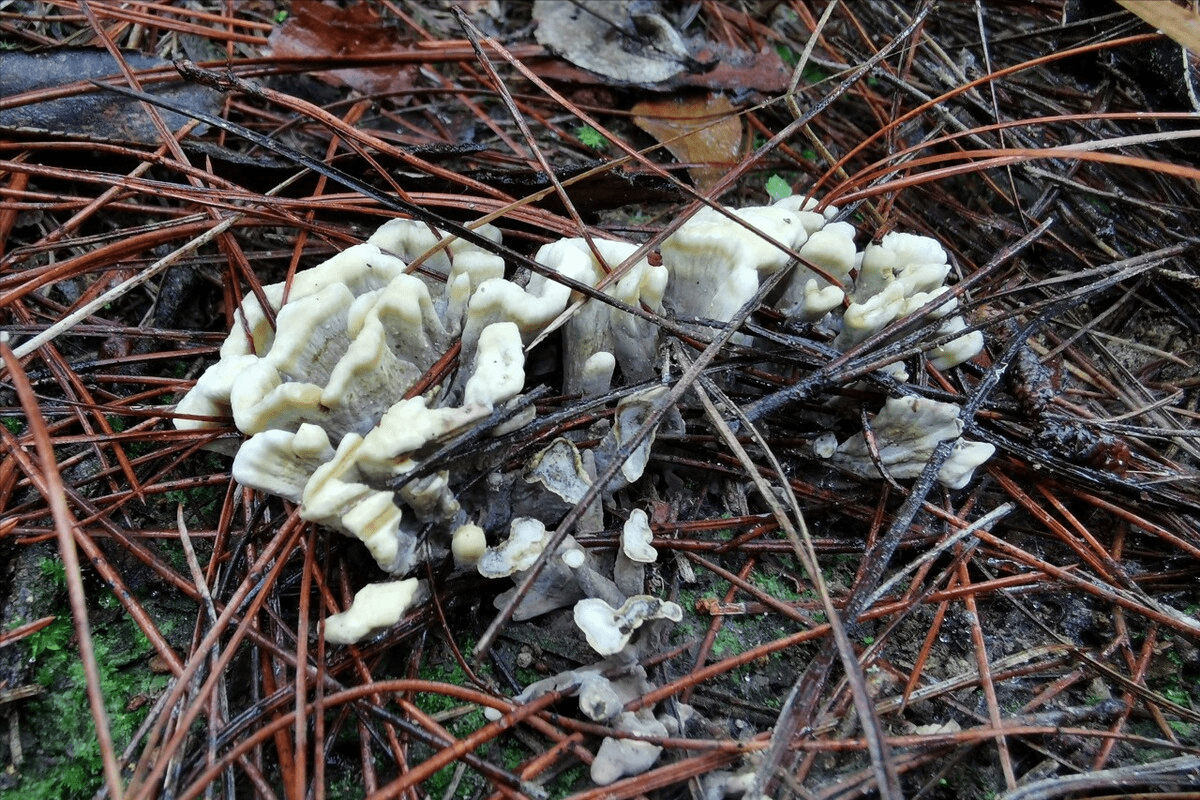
{"type": "Point", "coordinates": [813, 74]}
{"type": "Point", "coordinates": [345, 787]}
{"type": "Point", "coordinates": [138, 449]}
{"type": "Point", "coordinates": [200, 502]}
{"type": "Point", "coordinates": [1177, 696]}
{"type": "Point", "coordinates": [840, 567]}
{"type": "Point", "coordinates": [776, 586]}
{"type": "Point", "coordinates": [512, 757]}
{"type": "Point", "coordinates": [68, 764]}
{"type": "Point", "coordinates": [53, 570]}
{"type": "Point", "coordinates": [567, 783]}
{"type": "Point", "coordinates": [461, 726]}
{"type": "Point", "coordinates": [174, 554]}
{"type": "Point", "coordinates": [1186, 730]}
{"type": "Point", "coordinates": [726, 643]}
{"type": "Point", "coordinates": [687, 599]}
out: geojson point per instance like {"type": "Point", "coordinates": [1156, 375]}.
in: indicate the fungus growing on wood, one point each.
{"type": "Point", "coordinates": [598, 336]}
{"type": "Point", "coordinates": [637, 538]}
{"type": "Point", "coordinates": [321, 395]}
{"type": "Point", "coordinates": [467, 545]}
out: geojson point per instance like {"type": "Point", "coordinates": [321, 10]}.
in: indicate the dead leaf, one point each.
{"type": "Point", "coordinates": [1178, 22]}
{"type": "Point", "coordinates": [315, 30]}
{"type": "Point", "coordinates": [93, 114]}
{"type": "Point", "coordinates": [625, 41]}
{"type": "Point", "coordinates": [702, 129]}
{"type": "Point", "coordinates": [762, 72]}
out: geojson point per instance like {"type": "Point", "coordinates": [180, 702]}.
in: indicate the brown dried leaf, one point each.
{"type": "Point", "coordinates": [700, 129]}
{"type": "Point", "coordinates": [1178, 22]}
{"type": "Point", "coordinates": [315, 30]}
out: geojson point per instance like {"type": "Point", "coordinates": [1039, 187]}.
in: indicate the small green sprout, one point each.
{"type": "Point", "coordinates": [591, 137]}
{"type": "Point", "coordinates": [778, 188]}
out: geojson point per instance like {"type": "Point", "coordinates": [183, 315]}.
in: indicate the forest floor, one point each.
{"type": "Point", "coordinates": [1032, 634]}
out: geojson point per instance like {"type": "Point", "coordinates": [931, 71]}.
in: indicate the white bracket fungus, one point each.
{"type": "Point", "coordinates": [282, 462]}
{"type": "Point", "coordinates": [637, 538]}
{"type": "Point", "coordinates": [716, 263]}
{"type": "Point", "coordinates": [526, 540]}
{"type": "Point", "coordinates": [895, 277]}
{"type": "Point", "coordinates": [906, 432]}
{"type": "Point", "coordinates": [355, 334]}
{"type": "Point", "coordinates": [559, 468]}
{"type": "Point", "coordinates": [376, 607]}
{"type": "Point", "coordinates": [632, 412]}
{"type": "Point", "coordinates": [600, 698]}
{"type": "Point", "coordinates": [618, 758]}
{"type": "Point", "coordinates": [337, 497]}
{"type": "Point", "coordinates": [825, 444]}
{"type": "Point", "coordinates": [609, 629]}
{"type": "Point", "coordinates": [955, 351]}
{"type": "Point", "coordinates": [210, 398]}
{"type": "Point", "coordinates": [597, 328]}
{"type": "Point", "coordinates": [629, 567]}
{"type": "Point", "coordinates": [556, 585]}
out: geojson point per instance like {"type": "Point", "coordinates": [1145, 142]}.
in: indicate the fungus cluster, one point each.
{"type": "Point", "coordinates": [717, 262]}
{"type": "Point", "coordinates": [326, 398]}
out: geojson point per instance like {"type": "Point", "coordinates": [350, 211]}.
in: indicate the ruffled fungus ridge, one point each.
{"type": "Point", "coordinates": [598, 329]}
{"type": "Point", "coordinates": [556, 586]}
{"type": "Point", "coordinates": [896, 277]}
{"type": "Point", "coordinates": [359, 270]}
{"type": "Point", "coordinates": [618, 758]}
{"type": "Point", "coordinates": [321, 395]}
{"type": "Point", "coordinates": [716, 263]}
{"type": "Point", "coordinates": [637, 538]}
{"type": "Point", "coordinates": [609, 629]}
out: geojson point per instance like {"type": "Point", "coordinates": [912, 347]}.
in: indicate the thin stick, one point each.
{"type": "Point", "coordinates": [85, 311]}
